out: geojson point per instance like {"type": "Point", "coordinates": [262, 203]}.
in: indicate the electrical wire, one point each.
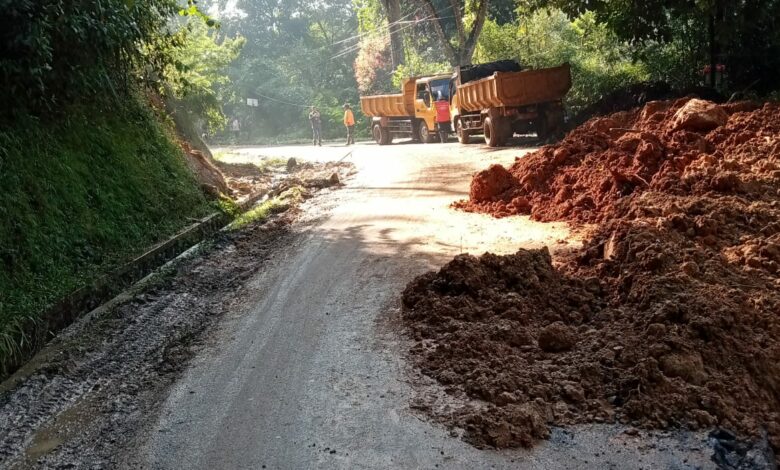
{"type": "Point", "coordinates": [410, 24]}
{"type": "Point", "coordinates": [349, 49]}
{"type": "Point", "coordinates": [282, 101]}
{"type": "Point", "coordinates": [386, 28]}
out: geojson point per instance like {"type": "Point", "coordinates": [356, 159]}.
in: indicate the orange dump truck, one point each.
{"type": "Point", "coordinates": [499, 100]}
{"type": "Point", "coordinates": [411, 113]}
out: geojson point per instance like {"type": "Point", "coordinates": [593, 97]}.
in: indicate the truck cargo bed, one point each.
{"type": "Point", "coordinates": [395, 105]}
{"type": "Point", "coordinates": [510, 89]}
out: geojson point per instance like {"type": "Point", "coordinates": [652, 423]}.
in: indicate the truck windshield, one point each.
{"type": "Point", "coordinates": [440, 86]}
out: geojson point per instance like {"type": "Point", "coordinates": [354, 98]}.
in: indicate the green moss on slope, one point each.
{"type": "Point", "coordinates": [79, 197]}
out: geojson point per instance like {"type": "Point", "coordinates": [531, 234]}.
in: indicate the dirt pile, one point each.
{"type": "Point", "coordinates": [247, 179]}
{"type": "Point", "coordinates": [211, 179]}
{"type": "Point", "coordinates": [669, 316]}
{"type": "Point", "coordinates": [637, 95]}
{"type": "Point", "coordinates": [652, 149]}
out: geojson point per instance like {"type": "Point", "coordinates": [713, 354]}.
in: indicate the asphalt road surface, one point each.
{"type": "Point", "coordinates": [308, 370]}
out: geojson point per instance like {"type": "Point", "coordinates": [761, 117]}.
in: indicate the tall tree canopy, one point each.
{"type": "Point", "coordinates": [743, 34]}
{"type": "Point", "coordinates": [297, 53]}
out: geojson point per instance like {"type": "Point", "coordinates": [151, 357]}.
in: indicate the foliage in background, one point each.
{"type": "Point", "coordinates": [600, 61]}
{"type": "Point", "coordinates": [373, 66]}
{"type": "Point", "coordinates": [743, 35]}
{"type": "Point", "coordinates": [81, 196]}
{"type": "Point", "coordinates": [295, 56]}
{"type": "Point", "coordinates": [197, 72]}
{"type": "Point", "coordinates": [418, 64]}
{"type": "Point", "coordinates": [55, 52]}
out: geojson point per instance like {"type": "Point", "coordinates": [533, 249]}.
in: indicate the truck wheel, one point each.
{"type": "Point", "coordinates": [415, 131]}
{"type": "Point", "coordinates": [426, 136]}
{"type": "Point", "coordinates": [549, 123]}
{"type": "Point", "coordinates": [493, 132]}
{"type": "Point", "coordinates": [542, 127]}
{"type": "Point", "coordinates": [506, 131]}
{"type": "Point", "coordinates": [381, 135]}
{"type": "Point", "coordinates": [464, 136]}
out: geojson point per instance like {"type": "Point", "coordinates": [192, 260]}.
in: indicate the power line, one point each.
{"type": "Point", "coordinates": [385, 28]}
{"type": "Point", "coordinates": [410, 24]}
{"type": "Point", "coordinates": [381, 27]}
{"type": "Point", "coordinates": [407, 24]}
{"type": "Point", "coordinates": [281, 101]}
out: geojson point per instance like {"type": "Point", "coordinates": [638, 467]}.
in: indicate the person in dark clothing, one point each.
{"type": "Point", "coordinates": [316, 126]}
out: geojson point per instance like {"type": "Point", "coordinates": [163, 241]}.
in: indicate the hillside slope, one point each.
{"type": "Point", "coordinates": [81, 195]}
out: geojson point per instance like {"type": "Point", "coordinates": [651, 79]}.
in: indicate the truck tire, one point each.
{"type": "Point", "coordinates": [426, 136]}
{"type": "Point", "coordinates": [415, 131]}
{"type": "Point", "coordinates": [381, 135]}
{"type": "Point", "coordinates": [505, 131]}
{"type": "Point", "coordinates": [464, 136]}
{"type": "Point", "coordinates": [542, 127]}
{"type": "Point", "coordinates": [549, 124]}
{"type": "Point", "coordinates": [494, 132]}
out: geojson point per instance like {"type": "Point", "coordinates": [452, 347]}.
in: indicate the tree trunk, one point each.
{"type": "Point", "coordinates": [464, 52]}
{"type": "Point", "coordinates": [393, 10]}
{"type": "Point", "coordinates": [713, 51]}
{"type": "Point", "coordinates": [467, 49]}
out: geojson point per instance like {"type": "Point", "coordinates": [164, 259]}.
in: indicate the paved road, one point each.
{"type": "Point", "coordinates": [309, 373]}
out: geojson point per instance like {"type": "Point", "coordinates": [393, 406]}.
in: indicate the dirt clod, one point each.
{"type": "Point", "coordinates": [490, 183]}
{"type": "Point", "coordinates": [699, 115]}
{"type": "Point", "coordinates": [556, 337]}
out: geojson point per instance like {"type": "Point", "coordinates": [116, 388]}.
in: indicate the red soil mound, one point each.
{"type": "Point", "coordinates": [669, 315]}
{"type": "Point", "coordinates": [606, 159]}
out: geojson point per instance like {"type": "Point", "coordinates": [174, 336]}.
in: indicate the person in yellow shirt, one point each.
{"type": "Point", "coordinates": [349, 122]}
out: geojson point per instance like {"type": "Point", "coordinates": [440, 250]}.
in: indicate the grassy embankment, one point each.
{"type": "Point", "coordinates": [82, 195]}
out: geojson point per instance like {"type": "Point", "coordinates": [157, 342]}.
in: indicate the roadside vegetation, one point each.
{"type": "Point", "coordinates": [91, 165]}
{"type": "Point", "coordinates": [83, 195]}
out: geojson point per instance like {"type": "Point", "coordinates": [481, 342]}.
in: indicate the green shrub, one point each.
{"type": "Point", "coordinates": [600, 62]}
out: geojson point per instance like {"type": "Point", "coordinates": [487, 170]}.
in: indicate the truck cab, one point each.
{"type": "Point", "coordinates": [427, 92]}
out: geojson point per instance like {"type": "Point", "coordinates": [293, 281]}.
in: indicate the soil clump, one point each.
{"type": "Point", "coordinates": [669, 316]}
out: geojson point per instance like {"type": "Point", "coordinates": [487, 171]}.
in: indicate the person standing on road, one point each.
{"type": "Point", "coordinates": [316, 126]}
{"type": "Point", "coordinates": [236, 128]}
{"type": "Point", "coordinates": [349, 122]}
{"type": "Point", "coordinates": [443, 117]}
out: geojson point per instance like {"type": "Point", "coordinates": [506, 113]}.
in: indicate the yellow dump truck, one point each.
{"type": "Point", "coordinates": [411, 113]}
{"type": "Point", "coordinates": [499, 100]}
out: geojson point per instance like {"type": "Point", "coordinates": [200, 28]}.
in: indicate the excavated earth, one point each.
{"type": "Point", "coordinates": [669, 316]}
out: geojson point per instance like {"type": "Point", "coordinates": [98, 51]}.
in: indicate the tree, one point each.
{"type": "Point", "coordinates": [599, 60]}
{"type": "Point", "coordinates": [372, 65]}
{"type": "Point", "coordinates": [393, 10]}
{"type": "Point", "coordinates": [458, 44]}
{"type": "Point", "coordinates": [56, 52]}
{"type": "Point", "coordinates": [198, 72]}
{"type": "Point", "coordinates": [297, 53]}
{"type": "Point", "coordinates": [745, 34]}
